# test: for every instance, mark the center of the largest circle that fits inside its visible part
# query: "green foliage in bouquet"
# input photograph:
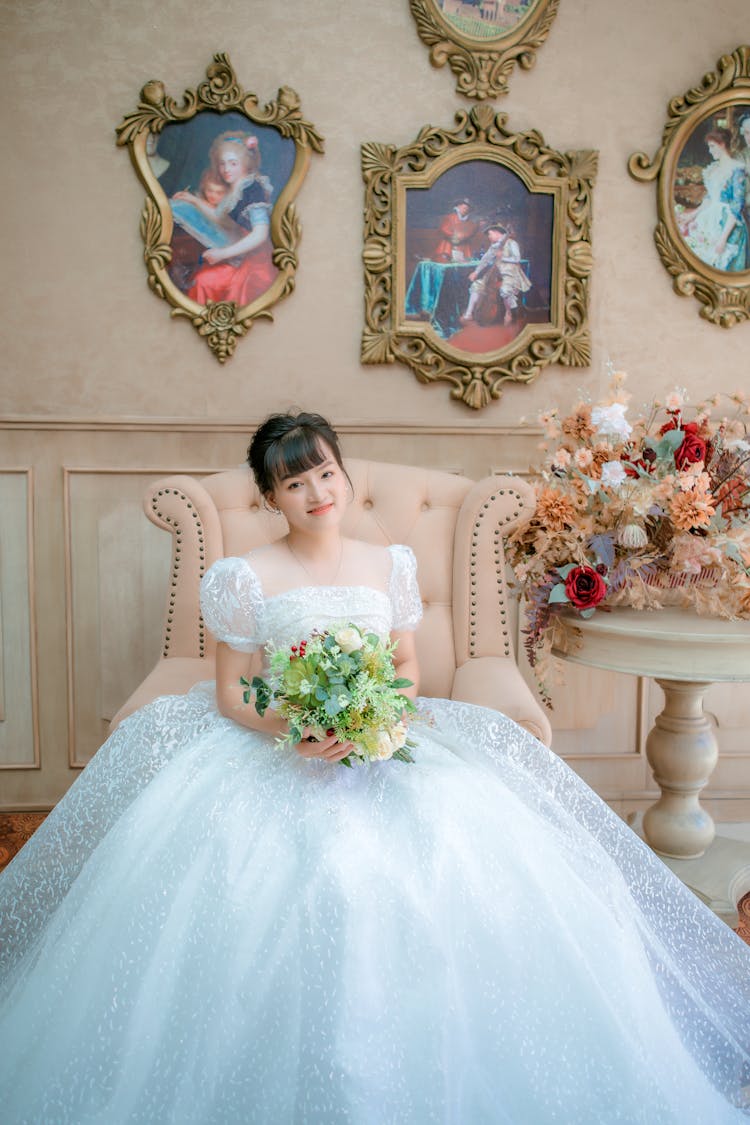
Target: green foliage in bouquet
(340, 682)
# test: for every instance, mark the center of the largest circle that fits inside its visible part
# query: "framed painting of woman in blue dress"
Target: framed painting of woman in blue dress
(483, 277)
(219, 226)
(703, 195)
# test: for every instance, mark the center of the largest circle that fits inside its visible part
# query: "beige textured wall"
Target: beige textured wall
(82, 334)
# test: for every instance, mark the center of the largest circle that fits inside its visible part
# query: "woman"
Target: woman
(242, 270)
(212, 929)
(716, 231)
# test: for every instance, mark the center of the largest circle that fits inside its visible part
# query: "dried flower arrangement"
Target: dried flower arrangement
(642, 513)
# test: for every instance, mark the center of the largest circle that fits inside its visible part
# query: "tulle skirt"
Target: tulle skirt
(210, 930)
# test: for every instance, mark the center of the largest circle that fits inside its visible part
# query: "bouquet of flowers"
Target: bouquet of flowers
(341, 682)
(637, 513)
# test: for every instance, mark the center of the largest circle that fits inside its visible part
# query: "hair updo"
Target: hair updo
(721, 137)
(286, 445)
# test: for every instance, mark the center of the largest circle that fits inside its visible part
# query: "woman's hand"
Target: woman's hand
(214, 255)
(328, 748)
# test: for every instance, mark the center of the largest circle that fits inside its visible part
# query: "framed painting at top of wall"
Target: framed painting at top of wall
(702, 169)
(482, 40)
(477, 255)
(219, 226)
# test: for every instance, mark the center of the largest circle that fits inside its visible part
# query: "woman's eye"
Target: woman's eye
(327, 473)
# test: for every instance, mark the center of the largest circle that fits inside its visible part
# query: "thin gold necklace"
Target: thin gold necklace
(309, 573)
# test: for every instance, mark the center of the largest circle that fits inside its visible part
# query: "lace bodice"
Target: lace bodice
(237, 612)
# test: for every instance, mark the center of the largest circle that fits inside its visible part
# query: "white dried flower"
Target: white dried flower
(613, 474)
(632, 535)
(610, 421)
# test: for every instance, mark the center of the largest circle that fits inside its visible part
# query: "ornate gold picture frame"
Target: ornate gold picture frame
(482, 40)
(702, 169)
(477, 255)
(219, 226)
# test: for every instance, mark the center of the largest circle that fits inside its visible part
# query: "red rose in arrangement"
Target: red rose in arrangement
(692, 450)
(584, 587)
(693, 447)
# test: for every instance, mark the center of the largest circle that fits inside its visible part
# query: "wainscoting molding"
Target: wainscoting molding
(97, 603)
(19, 685)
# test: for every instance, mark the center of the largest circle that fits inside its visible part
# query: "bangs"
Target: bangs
(297, 451)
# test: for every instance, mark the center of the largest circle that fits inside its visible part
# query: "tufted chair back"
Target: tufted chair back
(454, 526)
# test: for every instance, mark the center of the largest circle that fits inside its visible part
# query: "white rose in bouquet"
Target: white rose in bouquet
(398, 734)
(383, 747)
(348, 639)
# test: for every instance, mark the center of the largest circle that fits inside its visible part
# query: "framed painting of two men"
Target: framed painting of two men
(477, 255)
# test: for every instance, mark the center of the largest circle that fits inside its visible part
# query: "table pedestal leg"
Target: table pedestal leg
(682, 752)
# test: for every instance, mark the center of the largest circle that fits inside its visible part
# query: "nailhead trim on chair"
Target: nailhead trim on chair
(178, 536)
(475, 532)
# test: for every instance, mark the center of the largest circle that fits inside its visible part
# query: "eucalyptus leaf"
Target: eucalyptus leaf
(564, 571)
(558, 594)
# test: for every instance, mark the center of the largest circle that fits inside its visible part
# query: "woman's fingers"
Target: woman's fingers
(329, 748)
(337, 752)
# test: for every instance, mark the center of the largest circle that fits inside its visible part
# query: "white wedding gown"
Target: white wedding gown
(212, 930)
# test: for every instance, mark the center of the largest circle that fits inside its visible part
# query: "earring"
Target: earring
(269, 508)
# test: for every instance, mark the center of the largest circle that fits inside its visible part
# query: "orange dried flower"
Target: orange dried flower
(599, 454)
(691, 509)
(554, 511)
(578, 424)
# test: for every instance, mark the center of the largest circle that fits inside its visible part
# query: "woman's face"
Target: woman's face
(716, 150)
(232, 164)
(315, 499)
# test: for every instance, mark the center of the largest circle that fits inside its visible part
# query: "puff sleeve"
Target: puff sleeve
(232, 604)
(406, 604)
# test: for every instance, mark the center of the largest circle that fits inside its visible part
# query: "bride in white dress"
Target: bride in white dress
(213, 930)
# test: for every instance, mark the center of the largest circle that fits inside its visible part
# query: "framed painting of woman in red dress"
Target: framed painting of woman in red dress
(219, 226)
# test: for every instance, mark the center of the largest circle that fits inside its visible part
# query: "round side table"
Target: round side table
(685, 654)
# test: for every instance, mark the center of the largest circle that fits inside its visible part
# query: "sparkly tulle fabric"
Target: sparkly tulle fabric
(211, 930)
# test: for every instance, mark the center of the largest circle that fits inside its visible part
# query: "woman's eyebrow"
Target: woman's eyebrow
(320, 465)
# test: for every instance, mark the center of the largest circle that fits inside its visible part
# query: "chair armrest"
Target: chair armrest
(183, 507)
(173, 675)
(495, 681)
(493, 508)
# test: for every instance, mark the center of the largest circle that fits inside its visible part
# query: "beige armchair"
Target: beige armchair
(455, 527)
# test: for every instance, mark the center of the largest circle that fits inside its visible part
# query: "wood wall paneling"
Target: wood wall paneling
(19, 711)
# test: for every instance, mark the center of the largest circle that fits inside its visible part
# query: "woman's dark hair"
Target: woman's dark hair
(288, 444)
(720, 137)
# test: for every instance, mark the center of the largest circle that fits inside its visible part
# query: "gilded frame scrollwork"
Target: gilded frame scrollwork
(720, 100)
(561, 183)
(225, 316)
(482, 65)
